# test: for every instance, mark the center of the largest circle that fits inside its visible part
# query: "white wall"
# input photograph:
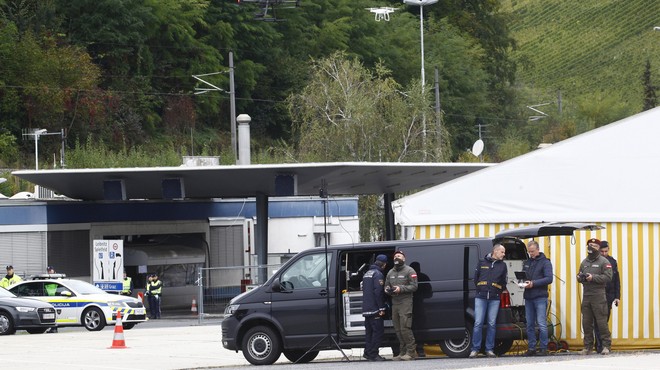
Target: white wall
(292, 235)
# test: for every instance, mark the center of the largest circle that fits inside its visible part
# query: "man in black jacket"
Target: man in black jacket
(373, 308)
(490, 279)
(539, 275)
(612, 289)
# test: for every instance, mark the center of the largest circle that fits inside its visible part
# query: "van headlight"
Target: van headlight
(231, 309)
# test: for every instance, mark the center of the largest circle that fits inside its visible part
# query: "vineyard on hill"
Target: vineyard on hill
(591, 50)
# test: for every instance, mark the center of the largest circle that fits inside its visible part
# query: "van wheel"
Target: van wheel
(458, 347)
(261, 346)
(93, 319)
(503, 346)
(299, 356)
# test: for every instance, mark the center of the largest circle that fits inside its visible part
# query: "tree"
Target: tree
(40, 80)
(348, 112)
(650, 97)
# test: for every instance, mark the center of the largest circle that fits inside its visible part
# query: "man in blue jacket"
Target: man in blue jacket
(490, 279)
(539, 276)
(373, 308)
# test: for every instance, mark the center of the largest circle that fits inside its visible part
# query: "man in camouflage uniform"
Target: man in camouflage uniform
(401, 283)
(595, 272)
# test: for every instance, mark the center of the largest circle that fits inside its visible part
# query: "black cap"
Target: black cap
(50, 268)
(604, 244)
(10, 267)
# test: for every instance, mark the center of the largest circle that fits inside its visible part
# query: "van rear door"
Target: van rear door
(547, 229)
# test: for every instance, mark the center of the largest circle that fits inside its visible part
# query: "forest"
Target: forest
(323, 80)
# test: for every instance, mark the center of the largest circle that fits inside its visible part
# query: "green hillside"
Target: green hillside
(590, 49)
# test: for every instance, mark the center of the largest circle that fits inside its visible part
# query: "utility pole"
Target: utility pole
(232, 98)
(559, 101)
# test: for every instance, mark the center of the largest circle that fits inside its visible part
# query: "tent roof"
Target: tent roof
(609, 174)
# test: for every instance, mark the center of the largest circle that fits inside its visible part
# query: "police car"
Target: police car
(79, 303)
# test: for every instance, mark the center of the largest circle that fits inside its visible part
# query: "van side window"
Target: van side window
(307, 272)
(442, 262)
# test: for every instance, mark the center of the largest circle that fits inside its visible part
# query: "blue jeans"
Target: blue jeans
(485, 308)
(535, 313)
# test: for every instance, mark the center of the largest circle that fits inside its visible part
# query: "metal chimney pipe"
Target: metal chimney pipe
(243, 139)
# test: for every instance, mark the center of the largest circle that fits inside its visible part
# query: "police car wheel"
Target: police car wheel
(6, 324)
(128, 326)
(458, 347)
(261, 346)
(299, 356)
(93, 319)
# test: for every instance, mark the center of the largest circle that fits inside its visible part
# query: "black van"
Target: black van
(298, 309)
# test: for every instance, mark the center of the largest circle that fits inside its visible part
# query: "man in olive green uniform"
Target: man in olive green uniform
(401, 283)
(595, 272)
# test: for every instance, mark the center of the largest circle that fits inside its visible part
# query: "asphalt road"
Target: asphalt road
(181, 343)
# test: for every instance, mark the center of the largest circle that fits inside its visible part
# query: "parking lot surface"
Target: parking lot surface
(184, 344)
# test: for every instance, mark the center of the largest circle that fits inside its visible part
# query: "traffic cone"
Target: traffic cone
(193, 308)
(118, 339)
(140, 296)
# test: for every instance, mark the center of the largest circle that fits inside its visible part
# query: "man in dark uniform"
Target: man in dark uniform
(595, 272)
(373, 308)
(401, 283)
(612, 289)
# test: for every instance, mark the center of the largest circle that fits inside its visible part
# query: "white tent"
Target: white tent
(608, 174)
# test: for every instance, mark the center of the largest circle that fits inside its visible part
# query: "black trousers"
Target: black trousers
(154, 306)
(375, 327)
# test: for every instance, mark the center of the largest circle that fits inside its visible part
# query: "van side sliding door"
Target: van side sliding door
(439, 303)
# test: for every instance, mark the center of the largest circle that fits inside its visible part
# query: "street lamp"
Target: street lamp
(421, 4)
(41, 132)
(36, 133)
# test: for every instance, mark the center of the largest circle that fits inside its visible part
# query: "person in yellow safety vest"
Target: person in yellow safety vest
(154, 289)
(127, 285)
(10, 279)
(51, 289)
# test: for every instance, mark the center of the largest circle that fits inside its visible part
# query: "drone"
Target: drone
(382, 13)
